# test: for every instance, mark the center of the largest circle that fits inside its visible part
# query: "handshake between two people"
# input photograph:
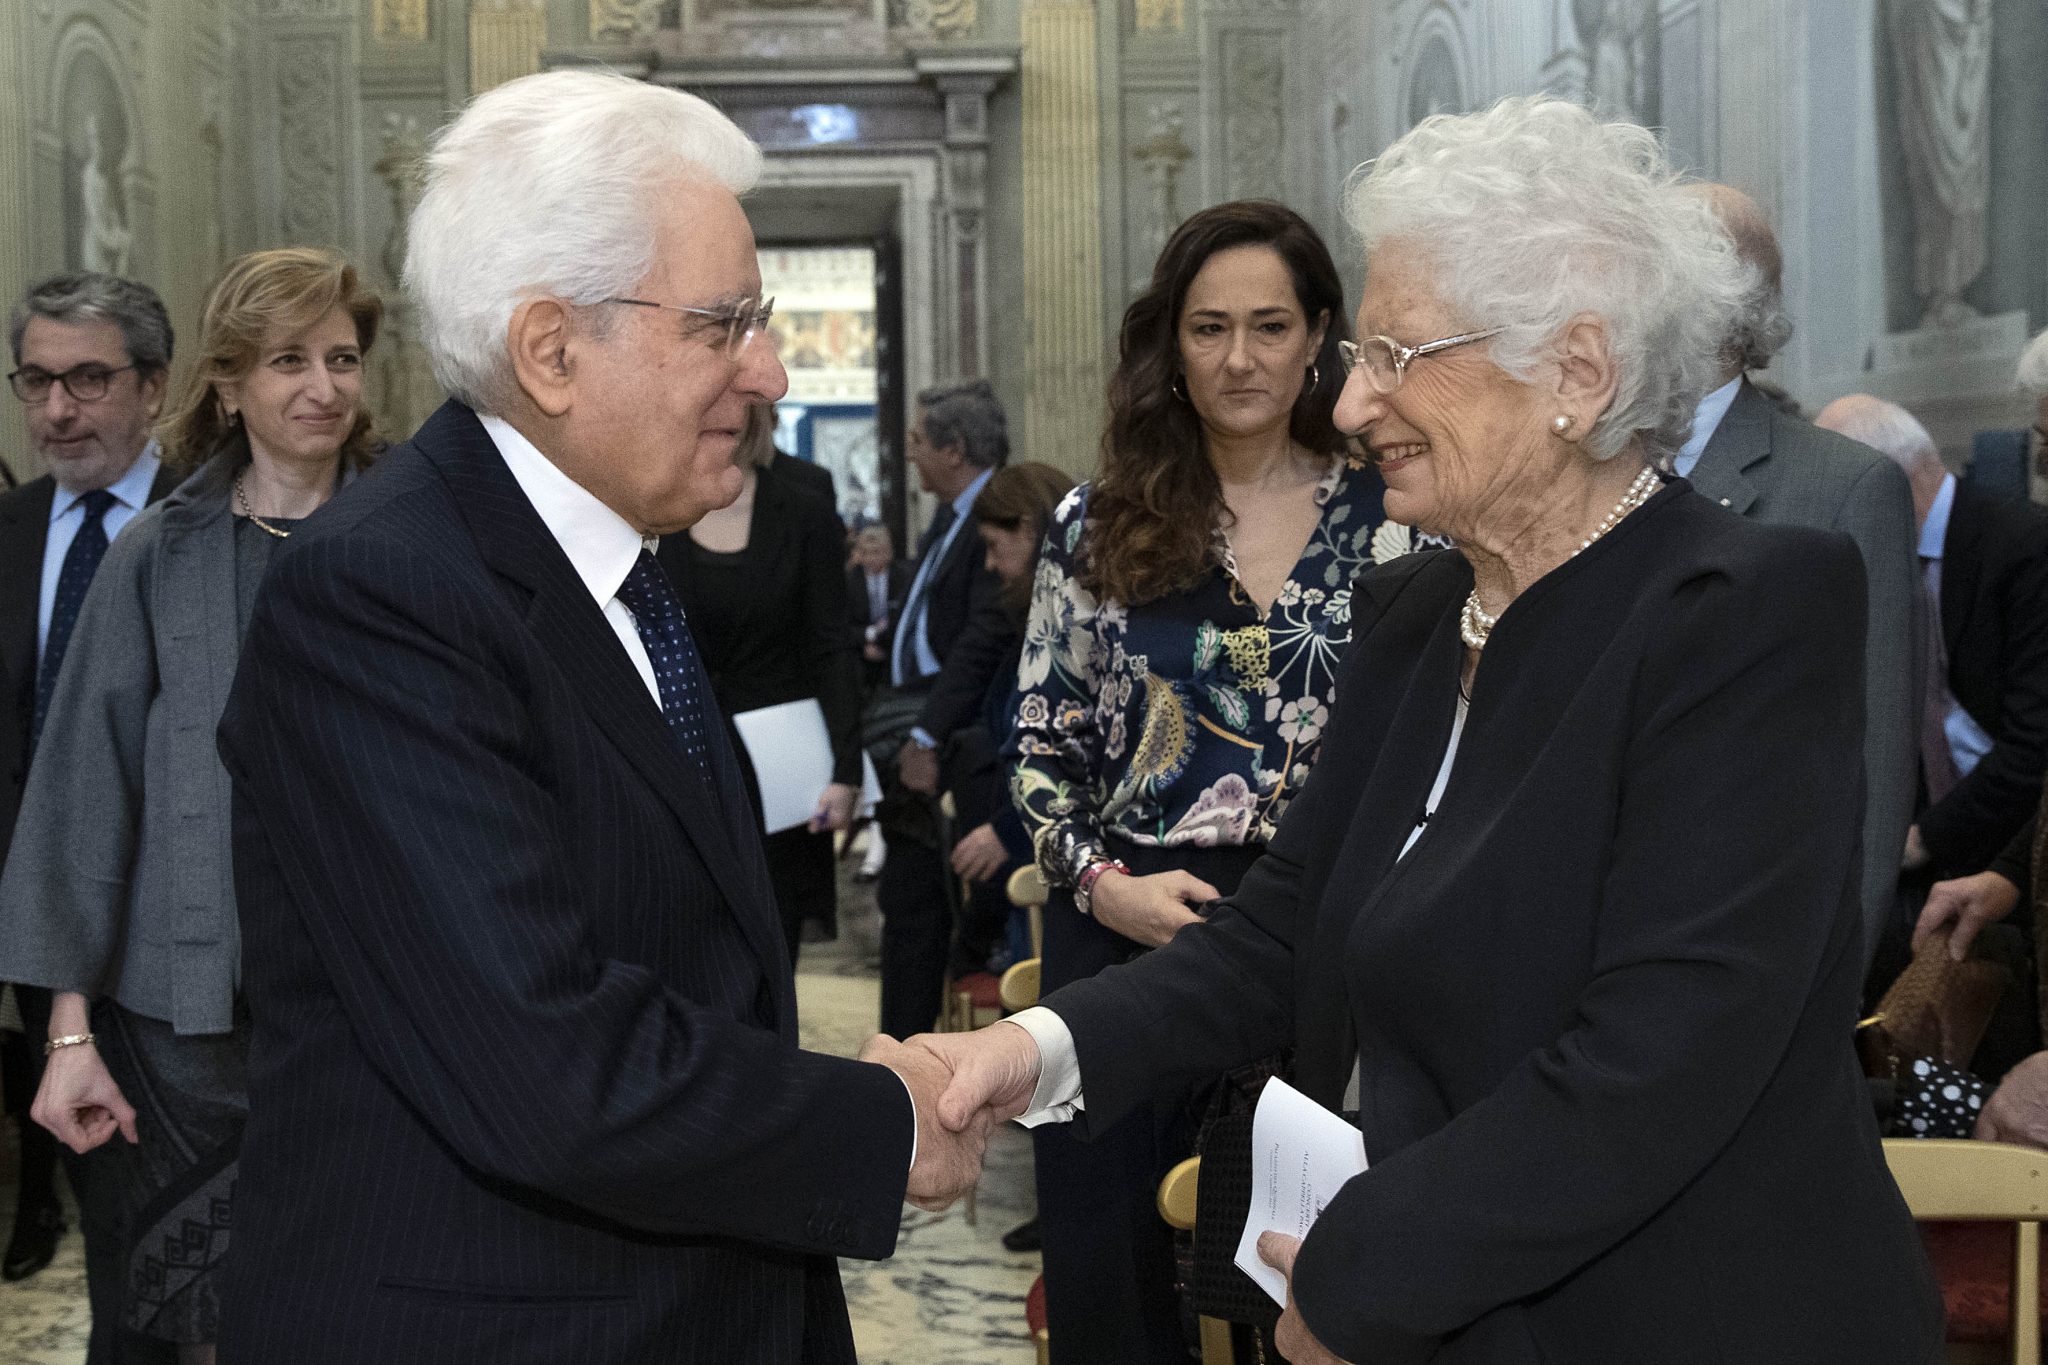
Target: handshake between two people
(962, 1085)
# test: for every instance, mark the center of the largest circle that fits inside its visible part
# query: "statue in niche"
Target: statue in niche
(104, 238)
(1619, 38)
(1162, 154)
(1941, 53)
(1434, 87)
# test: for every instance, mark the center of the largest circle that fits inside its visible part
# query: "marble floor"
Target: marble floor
(950, 1296)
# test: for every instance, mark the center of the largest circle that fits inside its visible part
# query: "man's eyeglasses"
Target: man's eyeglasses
(1386, 360)
(83, 382)
(741, 322)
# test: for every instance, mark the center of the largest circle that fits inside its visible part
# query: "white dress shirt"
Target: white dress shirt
(1706, 420)
(602, 546)
(131, 495)
(1968, 742)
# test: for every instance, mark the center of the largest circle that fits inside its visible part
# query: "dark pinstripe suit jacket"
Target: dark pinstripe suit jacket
(524, 1084)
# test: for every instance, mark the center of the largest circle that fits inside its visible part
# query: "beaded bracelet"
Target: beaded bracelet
(1084, 889)
(68, 1040)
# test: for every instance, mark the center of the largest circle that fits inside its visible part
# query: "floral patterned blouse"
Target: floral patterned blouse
(1190, 719)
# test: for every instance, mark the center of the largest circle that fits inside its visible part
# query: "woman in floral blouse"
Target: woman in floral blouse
(1188, 615)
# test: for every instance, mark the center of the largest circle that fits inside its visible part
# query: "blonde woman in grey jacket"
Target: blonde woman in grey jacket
(118, 893)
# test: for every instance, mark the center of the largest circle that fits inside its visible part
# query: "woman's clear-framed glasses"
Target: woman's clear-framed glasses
(742, 321)
(1386, 361)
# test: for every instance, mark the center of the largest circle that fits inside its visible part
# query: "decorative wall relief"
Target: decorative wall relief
(402, 378)
(300, 9)
(98, 227)
(1619, 39)
(309, 91)
(1941, 52)
(623, 21)
(938, 18)
(399, 21)
(1160, 158)
(1157, 16)
(1254, 80)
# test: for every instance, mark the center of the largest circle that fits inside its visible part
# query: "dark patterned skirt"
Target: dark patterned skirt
(177, 1183)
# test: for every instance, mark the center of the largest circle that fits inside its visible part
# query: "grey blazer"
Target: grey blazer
(120, 881)
(1766, 464)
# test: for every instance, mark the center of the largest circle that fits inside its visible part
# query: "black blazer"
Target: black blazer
(966, 609)
(1994, 621)
(24, 531)
(1603, 1009)
(782, 637)
(812, 478)
(523, 1075)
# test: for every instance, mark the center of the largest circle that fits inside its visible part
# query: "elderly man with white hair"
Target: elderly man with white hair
(524, 1081)
(1984, 671)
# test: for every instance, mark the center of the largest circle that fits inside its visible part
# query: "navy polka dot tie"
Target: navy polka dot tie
(81, 562)
(678, 671)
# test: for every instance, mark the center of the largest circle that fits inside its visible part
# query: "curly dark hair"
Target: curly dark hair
(1154, 506)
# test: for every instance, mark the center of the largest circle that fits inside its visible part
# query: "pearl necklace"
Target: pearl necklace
(1475, 625)
(242, 502)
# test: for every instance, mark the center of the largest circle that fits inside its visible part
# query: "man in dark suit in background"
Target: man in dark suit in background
(523, 1076)
(876, 584)
(91, 355)
(1761, 462)
(1984, 727)
(948, 638)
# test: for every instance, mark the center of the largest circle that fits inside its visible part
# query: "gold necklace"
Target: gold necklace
(242, 503)
(1475, 625)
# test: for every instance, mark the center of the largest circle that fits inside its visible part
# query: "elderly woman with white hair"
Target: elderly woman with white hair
(1569, 905)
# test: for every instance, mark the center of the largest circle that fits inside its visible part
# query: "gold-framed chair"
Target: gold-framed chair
(1947, 1180)
(1177, 1207)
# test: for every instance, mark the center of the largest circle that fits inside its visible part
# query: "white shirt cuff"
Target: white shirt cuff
(1058, 1095)
(912, 1097)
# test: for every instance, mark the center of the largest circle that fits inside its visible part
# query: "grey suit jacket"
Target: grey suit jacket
(1766, 464)
(120, 881)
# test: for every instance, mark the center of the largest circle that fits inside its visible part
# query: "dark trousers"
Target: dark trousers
(1109, 1271)
(21, 1066)
(800, 869)
(917, 935)
(94, 1183)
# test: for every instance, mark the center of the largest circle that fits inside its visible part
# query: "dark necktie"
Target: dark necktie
(81, 562)
(678, 671)
(1937, 759)
(903, 660)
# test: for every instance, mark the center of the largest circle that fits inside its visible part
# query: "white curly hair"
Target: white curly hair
(1534, 212)
(546, 186)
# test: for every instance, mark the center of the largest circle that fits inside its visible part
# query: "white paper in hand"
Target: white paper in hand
(1301, 1156)
(792, 757)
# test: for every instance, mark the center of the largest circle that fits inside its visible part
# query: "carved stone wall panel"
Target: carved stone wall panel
(1160, 127)
(1159, 16)
(311, 86)
(934, 18)
(1253, 123)
(399, 21)
(16, 178)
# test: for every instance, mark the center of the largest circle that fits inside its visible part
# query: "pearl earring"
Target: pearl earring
(1560, 424)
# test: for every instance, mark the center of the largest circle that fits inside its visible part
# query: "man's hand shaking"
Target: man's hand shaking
(961, 1085)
